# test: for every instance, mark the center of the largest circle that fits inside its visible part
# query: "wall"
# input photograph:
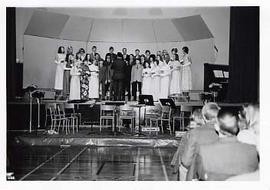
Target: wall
(39, 53)
(218, 22)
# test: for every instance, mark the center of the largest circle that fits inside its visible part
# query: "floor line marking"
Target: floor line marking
(42, 164)
(100, 168)
(163, 166)
(137, 165)
(68, 164)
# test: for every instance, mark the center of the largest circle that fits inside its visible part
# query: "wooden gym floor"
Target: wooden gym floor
(91, 163)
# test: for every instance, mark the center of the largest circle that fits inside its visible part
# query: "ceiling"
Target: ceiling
(88, 24)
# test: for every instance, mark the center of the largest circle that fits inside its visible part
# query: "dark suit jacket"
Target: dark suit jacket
(225, 158)
(126, 59)
(118, 68)
(202, 135)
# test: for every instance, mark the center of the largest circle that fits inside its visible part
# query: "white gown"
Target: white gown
(93, 81)
(155, 82)
(146, 82)
(59, 74)
(186, 81)
(165, 73)
(75, 84)
(175, 77)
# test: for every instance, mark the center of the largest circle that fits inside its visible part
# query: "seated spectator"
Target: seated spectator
(196, 121)
(251, 116)
(226, 157)
(248, 114)
(200, 135)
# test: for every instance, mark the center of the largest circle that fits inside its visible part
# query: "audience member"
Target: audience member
(198, 136)
(226, 157)
(195, 121)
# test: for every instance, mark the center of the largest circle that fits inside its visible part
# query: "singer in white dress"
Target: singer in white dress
(94, 81)
(146, 81)
(165, 73)
(75, 93)
(175, 75)
(186, 81)
(60, 66)
(155, 74)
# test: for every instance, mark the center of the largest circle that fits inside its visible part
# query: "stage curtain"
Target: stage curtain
(11, 51)
(244, 55)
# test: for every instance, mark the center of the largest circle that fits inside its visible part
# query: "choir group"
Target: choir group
(88, 76)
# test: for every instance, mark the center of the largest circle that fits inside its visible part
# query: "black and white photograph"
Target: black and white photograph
(132, 93)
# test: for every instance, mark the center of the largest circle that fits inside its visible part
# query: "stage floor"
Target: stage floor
(93, 137)
(91, 163)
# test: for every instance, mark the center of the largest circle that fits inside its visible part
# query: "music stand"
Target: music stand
(146, 100)
(167, 102)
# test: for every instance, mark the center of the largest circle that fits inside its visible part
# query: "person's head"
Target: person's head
(252, 116)
(69, 50)
(131, 58)
(94, 49)
(210, 111)
(61, 49)
(164, 51)
(147, 53)
(69, 58)
(228, 122)
(137, 52)
(119, 55)
(174, 50)
(108, 58)
(152, 58)
(82, 52)
(159, 53)
(159, 58)
(97, 56)
(167, 57)
(196, 118)
(185, 50)
(124, 50)
(137, 61)
(111, 49)
(101, 62)
(87, 57)
(142, 57)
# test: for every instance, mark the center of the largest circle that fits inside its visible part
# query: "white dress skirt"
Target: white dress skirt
(186, 81)
(93, 81)
(175, 77)
(146, 81)
(75, 84)
(155, 82)
(59, 74)
(164, 80)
